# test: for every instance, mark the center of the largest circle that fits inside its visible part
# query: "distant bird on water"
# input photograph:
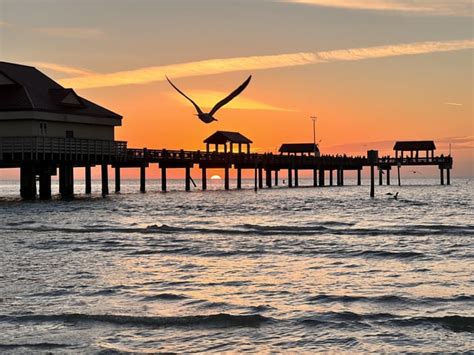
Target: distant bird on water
(209, 117)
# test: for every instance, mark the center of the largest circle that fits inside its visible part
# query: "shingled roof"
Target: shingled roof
(299, 148)
(414, 145)
(222, 137)
(24, 88)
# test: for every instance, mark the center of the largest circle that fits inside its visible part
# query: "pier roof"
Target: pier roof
(299, 148)
(25, 88)
(414, 145)
(222, 137)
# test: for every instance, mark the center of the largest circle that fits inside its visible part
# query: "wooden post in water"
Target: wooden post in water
(372, 157)
(204, 179)
(45, 182)
(359, 177)
(88, 179)
(297, 183)
(321, 177)
(226, 178)
(398, 170)
(290, 178)
(342, 176)
(117, 179)
(163, 179)
(255, 178)
(188, 178)
(260, 178)
(276, 177)
(27, 182)
(331, 182)
(338, 177)
(441, 171)
(380, 176)
(143, 179)
(388, 176)
(105, 180)
(448, 176)
(239, 178)
(315, 177)
(268, 177)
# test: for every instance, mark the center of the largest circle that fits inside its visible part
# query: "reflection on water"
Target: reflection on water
(280, 270)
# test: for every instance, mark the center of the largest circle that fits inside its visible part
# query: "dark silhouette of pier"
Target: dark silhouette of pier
(45, 157)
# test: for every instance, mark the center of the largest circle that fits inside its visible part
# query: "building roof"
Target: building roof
(24, 88)
(299, 148)
(222, 137)
(414, 145)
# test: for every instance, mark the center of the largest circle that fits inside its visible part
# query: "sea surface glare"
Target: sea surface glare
(303, 270)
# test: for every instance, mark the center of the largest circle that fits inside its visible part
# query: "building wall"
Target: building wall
(28, 128)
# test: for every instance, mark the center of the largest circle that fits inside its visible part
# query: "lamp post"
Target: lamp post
(314, 118)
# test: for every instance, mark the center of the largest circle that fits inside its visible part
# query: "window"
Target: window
(43, 129)
(69, 134)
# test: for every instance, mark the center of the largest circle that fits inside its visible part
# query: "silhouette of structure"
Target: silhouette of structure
(46, 129)
(303, 149)
(209, 117)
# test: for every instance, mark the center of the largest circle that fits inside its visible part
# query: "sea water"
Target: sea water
(303, 270)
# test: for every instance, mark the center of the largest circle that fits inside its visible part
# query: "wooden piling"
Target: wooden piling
(27, 182)
(105, 180)
(163, 179)
(290, 178)
(143, 179)
(297, 183)
(388, 177)
(399, 179)
(441, 171)
(239, 178)
(276, 177)
(255, 178)
(380, 176)
(45, 183)
(342, 176)
(260, 178)
(331, 182)
(88, 179)
(372, 181)
(188, 178)
(448, 176)
(315, 177)
(226, 178)
(204, 179)
(321, 177)
(117, 179)
(268, 178)
(359, 177)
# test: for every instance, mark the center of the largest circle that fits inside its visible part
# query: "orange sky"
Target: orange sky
(372, 71)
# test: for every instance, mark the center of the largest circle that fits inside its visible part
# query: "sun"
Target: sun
(215, 177)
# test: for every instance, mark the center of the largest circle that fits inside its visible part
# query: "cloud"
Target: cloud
(71, 32)
(452, 104)
(428, 7)
(207, 99)
(61, 68)
(219, 66)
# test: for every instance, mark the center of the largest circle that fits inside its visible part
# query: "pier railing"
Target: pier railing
(40, 147)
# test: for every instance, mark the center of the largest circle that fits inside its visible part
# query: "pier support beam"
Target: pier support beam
(88, 179)
(260, 178)
(315, 177)
(321, 177)
(163, 179)
(45, 183)
(448, 176)
(388, 177)
(239, 178)
(380, 176)
(27, 182)
(188, 178)
(399, 179)
(268, 178)
(226, 178)
(372, 181)
(66, 181)
(359, 177)
(297, 183)
(276, 177)
(331, 182)
(143, 179)
(117, 179)
(338, 177)
(105, 180)
(204, 179)
(290, 178)
(441, 172)
(255, 178)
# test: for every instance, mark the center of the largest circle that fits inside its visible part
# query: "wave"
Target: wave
(37, 346)
(213, 320)
(324, 298)
(165, 297)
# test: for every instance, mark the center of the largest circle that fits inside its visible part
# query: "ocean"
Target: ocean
(281, 270)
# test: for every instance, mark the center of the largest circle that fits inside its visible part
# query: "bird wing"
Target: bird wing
(232, 95)
(198, 109)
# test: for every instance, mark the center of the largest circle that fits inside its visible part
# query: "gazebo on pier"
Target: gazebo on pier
(414, 147)
(303, 149)
(227, 139)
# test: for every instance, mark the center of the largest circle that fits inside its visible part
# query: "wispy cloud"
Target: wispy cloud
(61, 68)
(219, 66)
(72, 32)
(430, 7)
(452, 104)
(208, 98)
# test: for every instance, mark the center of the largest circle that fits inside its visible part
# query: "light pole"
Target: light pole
(314, 118)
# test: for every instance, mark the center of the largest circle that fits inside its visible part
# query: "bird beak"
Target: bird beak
(214, 119)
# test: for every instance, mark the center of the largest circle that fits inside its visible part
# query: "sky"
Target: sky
(372, 71)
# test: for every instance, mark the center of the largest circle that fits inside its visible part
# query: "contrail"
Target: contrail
(228, 65)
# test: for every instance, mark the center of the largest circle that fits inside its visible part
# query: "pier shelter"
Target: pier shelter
(227, 140)
(414, 148)
(303, 149)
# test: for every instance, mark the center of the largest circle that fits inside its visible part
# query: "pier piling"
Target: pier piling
(260, 178)
(441, 172)
(105, 180)
(315, 177)
(321, 177)
(45, 183)
(359, 177)
(117, 179)
(188, 178)
(204, 179)
(88, 179)
(239, 178)
(297, 183)
(226, 178)
(331, 182)
(290, 178)
(276, 177)
(448, 176)
(27, 182)
(163, 179)
(143, 179)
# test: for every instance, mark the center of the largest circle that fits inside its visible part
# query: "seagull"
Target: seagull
(209, 117)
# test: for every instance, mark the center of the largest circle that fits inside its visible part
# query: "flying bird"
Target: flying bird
(209, 117)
